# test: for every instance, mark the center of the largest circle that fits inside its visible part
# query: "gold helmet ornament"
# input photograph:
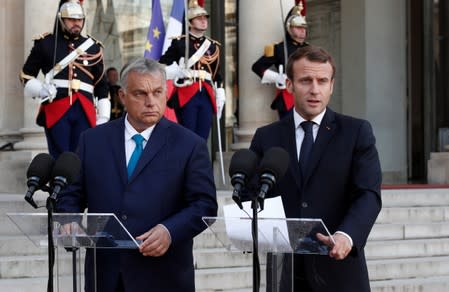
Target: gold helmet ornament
(70, 9)
(296, 17)
(195, 10)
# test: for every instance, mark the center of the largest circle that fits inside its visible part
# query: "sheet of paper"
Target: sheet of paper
(273, 232)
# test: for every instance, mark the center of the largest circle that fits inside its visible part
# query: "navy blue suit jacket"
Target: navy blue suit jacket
(341, 186)
(172, 185)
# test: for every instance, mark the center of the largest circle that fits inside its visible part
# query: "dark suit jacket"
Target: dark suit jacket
(341, 186)
(172, 185)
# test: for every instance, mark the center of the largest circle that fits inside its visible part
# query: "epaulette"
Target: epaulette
(214, 41)
(96, 41)
(178, 37)
(268, 51)
(41, 36)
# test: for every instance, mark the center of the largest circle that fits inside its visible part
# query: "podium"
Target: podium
(279, 238)
(72, 232)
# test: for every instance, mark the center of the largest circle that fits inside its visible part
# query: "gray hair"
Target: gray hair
(141, 65)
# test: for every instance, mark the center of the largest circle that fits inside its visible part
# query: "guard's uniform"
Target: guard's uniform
(194, 104)
(72, 111)
(117, 109)
(273, 57)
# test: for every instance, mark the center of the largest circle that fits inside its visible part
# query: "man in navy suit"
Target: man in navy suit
(339, 181)
(161, 202)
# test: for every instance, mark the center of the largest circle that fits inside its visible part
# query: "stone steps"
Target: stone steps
(408, 248)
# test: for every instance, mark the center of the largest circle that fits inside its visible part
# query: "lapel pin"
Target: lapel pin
(328, 128)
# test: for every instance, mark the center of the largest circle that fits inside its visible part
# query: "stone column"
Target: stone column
(11, 100)
(38, 19)
(374, 75)
(260, 23)
(23, 20)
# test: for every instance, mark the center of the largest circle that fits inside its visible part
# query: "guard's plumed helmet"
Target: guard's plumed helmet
(296, 17)
(70, 9)
(195, 10)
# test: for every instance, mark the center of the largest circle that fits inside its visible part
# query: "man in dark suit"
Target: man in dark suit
(161, 201)
(338, 180)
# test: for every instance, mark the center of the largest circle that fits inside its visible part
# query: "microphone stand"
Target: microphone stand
(50, 205)
(255, 232)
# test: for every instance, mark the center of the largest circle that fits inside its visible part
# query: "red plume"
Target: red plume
(201, 3)
(303, 12)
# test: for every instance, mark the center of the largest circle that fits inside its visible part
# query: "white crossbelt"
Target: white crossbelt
(199, 53)
(61, 83)
(69, 58)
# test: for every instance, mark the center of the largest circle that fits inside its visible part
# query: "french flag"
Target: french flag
(175, 23)
(174, 28)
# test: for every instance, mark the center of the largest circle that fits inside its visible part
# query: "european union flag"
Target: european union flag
(156, 33)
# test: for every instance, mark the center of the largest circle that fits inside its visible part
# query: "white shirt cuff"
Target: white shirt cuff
(347, 236)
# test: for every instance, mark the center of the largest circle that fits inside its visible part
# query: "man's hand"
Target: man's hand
(72, 228)
(338, 250)
(156, 241)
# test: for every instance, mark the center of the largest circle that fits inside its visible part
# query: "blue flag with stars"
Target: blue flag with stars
(156, 33)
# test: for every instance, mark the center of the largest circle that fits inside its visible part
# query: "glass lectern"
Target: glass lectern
(280, 238)
(72, 232)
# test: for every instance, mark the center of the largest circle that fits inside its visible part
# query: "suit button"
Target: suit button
(304, 205)
(124, 217)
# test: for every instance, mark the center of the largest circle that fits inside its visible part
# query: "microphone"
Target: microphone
(38, 174)
(272, 167)
(242, 167)
(65, 171)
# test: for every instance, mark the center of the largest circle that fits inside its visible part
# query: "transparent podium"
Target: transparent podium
(279, 238)
(73, 232)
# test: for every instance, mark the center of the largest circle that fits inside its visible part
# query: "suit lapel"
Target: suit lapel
(289, 141)
(325, 133)
(118, 148)
(157, 140)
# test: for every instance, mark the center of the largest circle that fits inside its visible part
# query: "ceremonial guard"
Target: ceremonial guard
(271, 66)
(112, 77)
(193, 63)
(74, 80)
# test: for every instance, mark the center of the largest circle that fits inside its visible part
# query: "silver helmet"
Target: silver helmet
(296, 19)
(70, 9)
(195, 10)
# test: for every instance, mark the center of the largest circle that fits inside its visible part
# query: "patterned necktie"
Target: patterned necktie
(306, 146)
(136, 154)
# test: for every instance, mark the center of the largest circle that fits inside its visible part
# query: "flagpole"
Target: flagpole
(186, 23)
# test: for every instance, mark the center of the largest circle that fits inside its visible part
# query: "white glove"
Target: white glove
(220, 99)
(103, 111)
(185, 72)
(269, 76)
(36, 88)
(48, 92)
(173, 71)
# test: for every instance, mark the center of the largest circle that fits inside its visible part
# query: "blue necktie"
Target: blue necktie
(136, 154)
(306, 146)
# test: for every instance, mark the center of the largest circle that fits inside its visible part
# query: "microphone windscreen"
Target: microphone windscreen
(41, 167)
(68, 166)
(243, 161)
(275, 161)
